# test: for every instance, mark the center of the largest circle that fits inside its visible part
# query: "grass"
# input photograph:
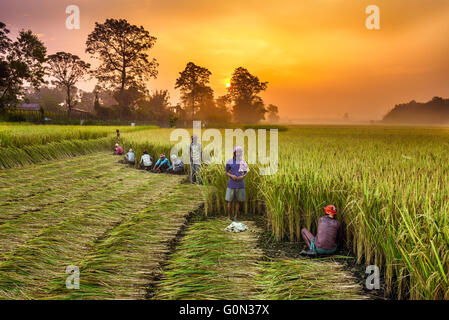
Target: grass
(390, 185)
(24, 144)
(65, 219)
(211, 263)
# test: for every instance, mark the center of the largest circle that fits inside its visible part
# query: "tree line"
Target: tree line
(123, 67)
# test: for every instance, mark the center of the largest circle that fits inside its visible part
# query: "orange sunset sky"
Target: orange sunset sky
(317, 55)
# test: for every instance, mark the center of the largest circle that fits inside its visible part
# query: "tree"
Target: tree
(273, 113)
(193, 82)
(122, 49)
(67, 69)
(156, 107)
(243, 90)
(21, 62)
(49, 98)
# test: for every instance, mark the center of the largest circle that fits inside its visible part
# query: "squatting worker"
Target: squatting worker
(329, 234)
(162, 165)
(146, 162)
(236, 170)
(130, 157)
(119, 150)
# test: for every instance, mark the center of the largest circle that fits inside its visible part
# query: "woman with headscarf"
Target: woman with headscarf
(177, 165)
(236, 170)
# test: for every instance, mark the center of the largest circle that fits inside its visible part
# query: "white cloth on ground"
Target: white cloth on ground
(236, 227)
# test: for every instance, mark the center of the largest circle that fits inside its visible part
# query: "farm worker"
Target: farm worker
(236, 170)
(178, 165)
(130, 157)
(162, 164)
(146, 161)
(118, 136)
(195, 159)
(329, 234)
(118, 150)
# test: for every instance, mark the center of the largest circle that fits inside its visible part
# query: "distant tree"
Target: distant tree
(21, 62)
(172, 120)
(243, 90)
(67, 69)
(193, 82)
(155, 108)
(273, 113)
(122, 49)
(215, 111)
(48, 97)
(87, 101)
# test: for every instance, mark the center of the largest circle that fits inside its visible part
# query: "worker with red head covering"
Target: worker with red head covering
(329, 234)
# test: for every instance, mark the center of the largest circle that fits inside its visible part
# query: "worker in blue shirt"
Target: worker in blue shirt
(162, 165)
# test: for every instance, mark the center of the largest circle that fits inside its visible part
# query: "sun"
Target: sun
(228, 85)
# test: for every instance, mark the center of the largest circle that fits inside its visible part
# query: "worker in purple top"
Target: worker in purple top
(236, 170)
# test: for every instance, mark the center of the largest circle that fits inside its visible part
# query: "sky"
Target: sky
(318, 56)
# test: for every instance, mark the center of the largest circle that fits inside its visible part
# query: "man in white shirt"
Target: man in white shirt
(146, 162)
(195, 160)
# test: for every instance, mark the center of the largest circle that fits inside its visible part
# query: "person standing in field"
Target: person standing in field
(117, 139)
(195, 159)
(329, 234)
(236, 170)
(146, 162)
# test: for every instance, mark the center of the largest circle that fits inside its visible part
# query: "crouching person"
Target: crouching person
(118, 151)
(177, 165)
(146, 162)
(162, 165)
(329, 234)
(130, 157)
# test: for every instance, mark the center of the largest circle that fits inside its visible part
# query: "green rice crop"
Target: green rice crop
(389, 184)
(22, 144)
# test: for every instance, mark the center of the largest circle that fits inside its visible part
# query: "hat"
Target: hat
(330, 210)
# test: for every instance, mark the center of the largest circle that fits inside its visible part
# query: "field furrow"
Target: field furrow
(28, 174)
(125, 263)
(61, 182)
(35, 263)
(27, 226)
(211, 263)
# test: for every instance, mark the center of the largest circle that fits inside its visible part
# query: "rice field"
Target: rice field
(211, 264)
(389, 184)
(110, 220)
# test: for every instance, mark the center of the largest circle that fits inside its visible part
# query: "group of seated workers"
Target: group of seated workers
(147, 163)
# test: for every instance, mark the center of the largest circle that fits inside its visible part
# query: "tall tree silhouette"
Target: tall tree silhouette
(122, 49)
(244, 90)
(21, 61)
(193, 82)
(67, 69)
(273, 113)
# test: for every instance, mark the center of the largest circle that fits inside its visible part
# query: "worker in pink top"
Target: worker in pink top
(118, 150)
